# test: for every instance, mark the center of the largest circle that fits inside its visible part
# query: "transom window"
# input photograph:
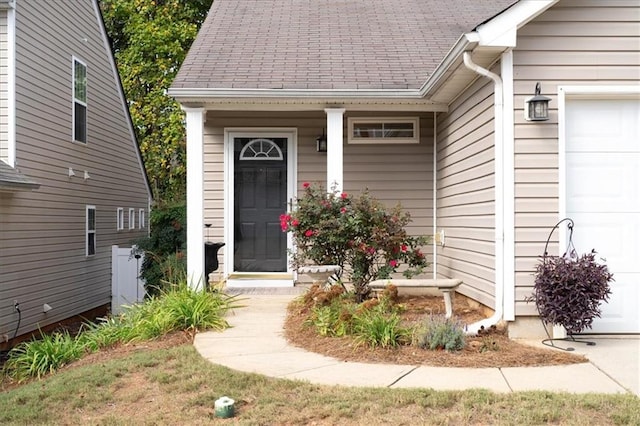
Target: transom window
(261, 149)
(363, 130)
(79, 101)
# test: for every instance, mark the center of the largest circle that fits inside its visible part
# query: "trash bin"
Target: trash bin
(210, 259)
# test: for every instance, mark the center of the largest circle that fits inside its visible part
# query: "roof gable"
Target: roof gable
(330, 45)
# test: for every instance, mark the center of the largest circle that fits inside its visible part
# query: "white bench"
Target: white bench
(446, 286)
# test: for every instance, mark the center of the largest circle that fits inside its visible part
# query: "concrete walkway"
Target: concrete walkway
(255, 343)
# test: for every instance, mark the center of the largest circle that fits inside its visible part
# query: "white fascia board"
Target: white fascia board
(502, 30)
(292, 93)
(465, 43)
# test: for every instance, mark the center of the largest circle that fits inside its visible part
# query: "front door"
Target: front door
(260, 197)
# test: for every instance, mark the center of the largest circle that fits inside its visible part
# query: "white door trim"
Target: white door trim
(291, 134)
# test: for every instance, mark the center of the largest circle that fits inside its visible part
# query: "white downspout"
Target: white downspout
(435, 197)
(499, 192)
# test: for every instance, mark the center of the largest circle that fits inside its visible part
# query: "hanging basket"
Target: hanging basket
(569, 289)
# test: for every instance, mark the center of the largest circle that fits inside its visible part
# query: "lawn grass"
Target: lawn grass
(177, 386)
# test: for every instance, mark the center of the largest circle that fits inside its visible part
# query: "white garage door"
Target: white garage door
(603, 198)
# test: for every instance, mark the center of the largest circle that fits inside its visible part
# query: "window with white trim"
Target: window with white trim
(141, 219)
(378, 130)
(132, 218)
(120, 219)
(90, 241)
(79, 101)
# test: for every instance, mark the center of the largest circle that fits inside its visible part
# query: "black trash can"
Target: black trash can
(211, 259)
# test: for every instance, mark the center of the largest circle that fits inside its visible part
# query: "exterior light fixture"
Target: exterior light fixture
(536, 108)
(321, 143)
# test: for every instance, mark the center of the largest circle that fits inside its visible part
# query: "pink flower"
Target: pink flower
(343, 210)
(305, 185)
(308, 233)
(371, 250)
(295, 222)
(403, 248)
(344, 195)
(393, 263)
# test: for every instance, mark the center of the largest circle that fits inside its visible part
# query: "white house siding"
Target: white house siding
(577, 42)
(465, 186)
(394, 174)
(42, 243)
(4, 96)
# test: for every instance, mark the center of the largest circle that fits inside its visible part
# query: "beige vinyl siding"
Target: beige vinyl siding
(4, 87)
(392, 173)
(577, 42)
(42, 243)
(465, 186)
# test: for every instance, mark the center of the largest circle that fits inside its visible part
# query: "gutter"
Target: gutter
(499, 191)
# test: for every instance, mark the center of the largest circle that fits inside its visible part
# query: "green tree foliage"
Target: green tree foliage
(150, 39)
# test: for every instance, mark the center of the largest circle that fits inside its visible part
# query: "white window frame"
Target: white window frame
(354, 139)
(141, 219)
(90, 229)
(78, 101)
(132, 218)
(120, 219)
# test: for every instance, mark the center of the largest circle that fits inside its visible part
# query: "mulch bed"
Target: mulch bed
(493, 349)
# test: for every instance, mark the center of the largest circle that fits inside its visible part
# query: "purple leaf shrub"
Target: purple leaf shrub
(569, 291)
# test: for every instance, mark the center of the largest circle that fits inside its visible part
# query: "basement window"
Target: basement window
(383, 130)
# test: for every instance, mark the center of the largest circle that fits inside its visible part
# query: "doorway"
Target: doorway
(262, 183)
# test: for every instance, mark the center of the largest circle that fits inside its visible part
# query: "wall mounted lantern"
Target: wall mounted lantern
(537, 107)
(321, 143)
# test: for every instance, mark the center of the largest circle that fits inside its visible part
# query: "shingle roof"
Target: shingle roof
(328, 44)
(12, 179)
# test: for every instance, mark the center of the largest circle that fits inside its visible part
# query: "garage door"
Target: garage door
(603, 198)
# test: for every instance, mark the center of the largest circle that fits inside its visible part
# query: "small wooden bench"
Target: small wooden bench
(446, 286)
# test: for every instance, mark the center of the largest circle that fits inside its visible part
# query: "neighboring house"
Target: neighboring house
(423, 103)
(72, 183)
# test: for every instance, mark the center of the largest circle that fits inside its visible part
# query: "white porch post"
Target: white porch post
(195, 194)
(334, 148)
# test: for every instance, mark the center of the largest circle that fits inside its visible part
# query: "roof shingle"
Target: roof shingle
(328, 44)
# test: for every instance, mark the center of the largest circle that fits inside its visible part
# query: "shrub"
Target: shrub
(359, 232)
(164, 249)
(378, 327)
(568, 291)
(439, 332)
(178, 308)
(43, 356)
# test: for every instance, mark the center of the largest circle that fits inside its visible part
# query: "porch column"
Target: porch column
(195, 194)
(334, 148)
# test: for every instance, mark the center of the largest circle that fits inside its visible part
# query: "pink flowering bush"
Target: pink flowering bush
(359, 234)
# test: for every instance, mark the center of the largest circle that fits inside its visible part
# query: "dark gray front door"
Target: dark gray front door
(260, 197)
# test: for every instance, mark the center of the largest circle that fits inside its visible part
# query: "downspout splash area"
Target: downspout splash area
(499, 191)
